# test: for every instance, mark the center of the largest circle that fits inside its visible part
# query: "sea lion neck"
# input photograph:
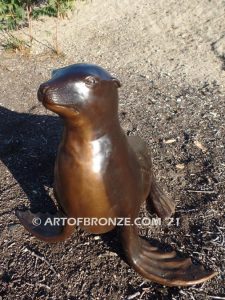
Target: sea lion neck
(81, 132)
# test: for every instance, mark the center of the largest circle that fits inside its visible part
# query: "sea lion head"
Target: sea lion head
(81, 91)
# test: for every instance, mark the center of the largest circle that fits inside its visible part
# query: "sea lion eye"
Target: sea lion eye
(91, 81)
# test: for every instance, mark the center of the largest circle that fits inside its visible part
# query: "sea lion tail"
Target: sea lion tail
(45, 226)
(163, 205)
(166, 268)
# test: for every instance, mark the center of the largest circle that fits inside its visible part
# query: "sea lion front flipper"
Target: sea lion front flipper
(45, 226)
(163, 205)
(166, 268)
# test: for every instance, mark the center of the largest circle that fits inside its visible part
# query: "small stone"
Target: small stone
(133, 296)
(170, 141)
(180, 166)
(110, 253)
(127, 125)
(200, 146)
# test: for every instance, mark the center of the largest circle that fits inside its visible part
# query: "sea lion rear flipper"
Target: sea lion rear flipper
(45, 226)
(163, 205)
(166, 268)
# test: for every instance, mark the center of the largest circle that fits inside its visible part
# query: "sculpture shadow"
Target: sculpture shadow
(28, 146)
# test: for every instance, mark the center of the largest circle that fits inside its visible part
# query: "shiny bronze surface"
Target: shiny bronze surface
(102, 173)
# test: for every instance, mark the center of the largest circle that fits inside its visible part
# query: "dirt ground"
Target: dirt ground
(170, 59)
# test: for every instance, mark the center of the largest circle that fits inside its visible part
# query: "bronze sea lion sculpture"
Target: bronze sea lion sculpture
(102, 173)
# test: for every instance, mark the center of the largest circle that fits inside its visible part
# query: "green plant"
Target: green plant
(12, 14)
(16, 13)
(54, 8)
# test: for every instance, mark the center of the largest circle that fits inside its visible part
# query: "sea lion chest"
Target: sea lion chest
(79, 178)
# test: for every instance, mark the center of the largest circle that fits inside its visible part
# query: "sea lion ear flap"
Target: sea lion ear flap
(117, 82)
(54, 72)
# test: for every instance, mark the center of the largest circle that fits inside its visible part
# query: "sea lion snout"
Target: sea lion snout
(42, 91)
(52, 93)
